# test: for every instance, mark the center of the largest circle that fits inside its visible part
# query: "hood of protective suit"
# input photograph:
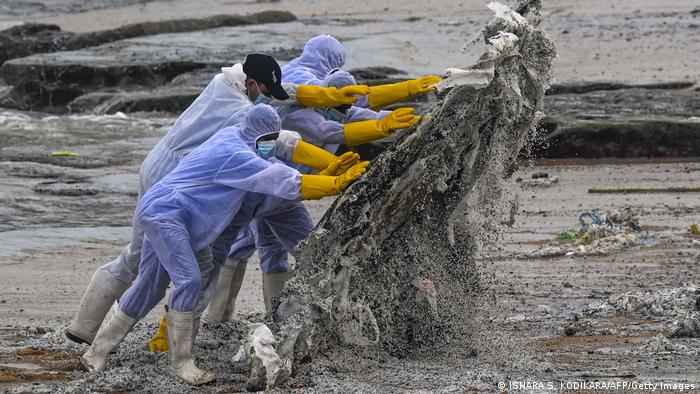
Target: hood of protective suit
(235, 76)
(322, 54)
(339, 79)
(260, 121)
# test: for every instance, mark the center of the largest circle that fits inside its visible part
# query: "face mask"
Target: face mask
(261, 99)
(266, 149)
(335, 115)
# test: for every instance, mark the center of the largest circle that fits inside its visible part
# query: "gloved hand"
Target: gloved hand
(320, 97)
(348, 94)
(341, 164)
(314, 187)
(358, 133)
(312, 156)
(422, 84)
(159, 343)
(400, 118)
(348, 177)
(382, 95)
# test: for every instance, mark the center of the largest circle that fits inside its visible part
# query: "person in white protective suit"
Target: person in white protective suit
(224, 102)
(276, 234)
(219, 185)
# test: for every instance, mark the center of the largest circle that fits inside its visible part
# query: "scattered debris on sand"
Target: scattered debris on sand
(597, 235)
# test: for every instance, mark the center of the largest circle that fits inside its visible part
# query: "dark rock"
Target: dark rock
(174, 97)
(637, 102)
(159, 100)
(51, 86)
(28, 39)
(621, 138)
(635, 122)
(68, 188)
(175, 26)
(32, 38)
(369, 73)
(373, 76)
(48, 82)
(578, 86)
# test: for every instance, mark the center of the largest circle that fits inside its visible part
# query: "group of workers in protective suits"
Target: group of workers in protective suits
(226, 180)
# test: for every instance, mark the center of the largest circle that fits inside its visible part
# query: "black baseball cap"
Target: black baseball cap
(264, 69)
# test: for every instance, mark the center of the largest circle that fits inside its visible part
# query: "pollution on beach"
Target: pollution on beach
(304, 196)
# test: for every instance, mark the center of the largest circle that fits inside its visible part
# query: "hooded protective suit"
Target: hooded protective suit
(219, 185)
(315, 126)
(280, 229)
(321, 55)
(223, 103)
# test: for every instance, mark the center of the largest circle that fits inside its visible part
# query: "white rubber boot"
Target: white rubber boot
(181, 337)
(223, 302)
(99, 296)
(197, 324)
(108, 337)
(272, 287)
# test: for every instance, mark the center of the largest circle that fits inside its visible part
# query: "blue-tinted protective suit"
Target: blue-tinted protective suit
(223, 103)
(321, 55)
(219, 185)
(278, 231)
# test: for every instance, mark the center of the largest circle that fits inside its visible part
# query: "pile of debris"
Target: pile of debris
(597, 235)
(679, 307)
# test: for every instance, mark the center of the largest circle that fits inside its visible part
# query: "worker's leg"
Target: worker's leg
(136, 302)
(223, 290)
(277, 234)
(172, 246)
(106, 285)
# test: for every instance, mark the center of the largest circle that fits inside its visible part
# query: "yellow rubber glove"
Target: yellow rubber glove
(382, 95)
(341, 164)
(358, 133)
(312, 156)
(320, 97)
(314, 187)
(159, 343)
(423, 84)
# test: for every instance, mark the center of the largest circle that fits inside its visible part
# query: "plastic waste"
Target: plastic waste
(567, 235)
(265, 365)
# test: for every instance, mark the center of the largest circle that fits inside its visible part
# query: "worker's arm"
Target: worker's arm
(314, 187)
(321, 97)
(382, 95)
(289, 146)
(358, 133)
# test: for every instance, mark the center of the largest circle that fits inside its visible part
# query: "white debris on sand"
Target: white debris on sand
(677, 308)
(264, 363)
